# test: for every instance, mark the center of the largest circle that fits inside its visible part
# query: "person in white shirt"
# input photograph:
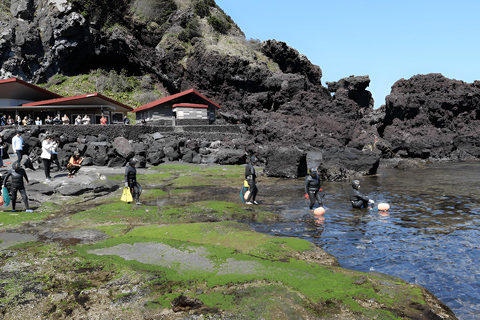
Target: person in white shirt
(86, 119)
(48, 146)
(38, 122)
(17, 145)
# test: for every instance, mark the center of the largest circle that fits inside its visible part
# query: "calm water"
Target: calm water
(430, 236)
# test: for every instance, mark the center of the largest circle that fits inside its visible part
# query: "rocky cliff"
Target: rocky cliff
(269, 87)
(432, 117)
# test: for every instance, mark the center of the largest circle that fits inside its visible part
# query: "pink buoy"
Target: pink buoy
(383, 207)
(319, 211)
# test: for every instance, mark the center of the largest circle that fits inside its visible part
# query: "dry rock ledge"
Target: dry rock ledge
(56, 282)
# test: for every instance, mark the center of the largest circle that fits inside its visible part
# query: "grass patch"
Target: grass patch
(227, 243)
(15, 219)
(119, 212)
(198, 211)
(115, 230)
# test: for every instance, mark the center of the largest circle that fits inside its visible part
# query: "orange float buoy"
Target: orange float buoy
(319, 211)
(383, 207)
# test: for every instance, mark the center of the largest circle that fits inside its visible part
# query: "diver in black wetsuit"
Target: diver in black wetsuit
(357, 199)
(131, 180)
(312, 188)
(250, 176)
(17, 174)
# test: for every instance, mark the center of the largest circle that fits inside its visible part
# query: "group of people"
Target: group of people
(313, 189)
(49, 155)
(28, 120)
(314, 192)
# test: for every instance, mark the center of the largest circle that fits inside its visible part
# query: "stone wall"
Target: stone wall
(114, 145)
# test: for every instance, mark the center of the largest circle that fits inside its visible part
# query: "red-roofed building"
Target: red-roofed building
(187, 107)
(18, 97)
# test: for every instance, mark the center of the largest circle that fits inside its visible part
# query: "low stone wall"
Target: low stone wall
(114, 145)
(132, 132)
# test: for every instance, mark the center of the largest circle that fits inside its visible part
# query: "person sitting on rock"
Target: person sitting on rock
(131, 180)
(17, 174)
(312, 188)
(74, 164)
(251, 176)
(357, 199)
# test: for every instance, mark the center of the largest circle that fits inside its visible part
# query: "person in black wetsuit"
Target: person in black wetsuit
(17, 174)
(357, 199)
(131, 180)
(312, 188)
(251, 176)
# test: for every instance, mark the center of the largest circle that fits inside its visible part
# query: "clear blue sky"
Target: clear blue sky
(385, 39)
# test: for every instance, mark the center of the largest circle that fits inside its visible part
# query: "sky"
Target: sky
(387, 40)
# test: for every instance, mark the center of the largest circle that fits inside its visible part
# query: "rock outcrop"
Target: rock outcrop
(433, 117)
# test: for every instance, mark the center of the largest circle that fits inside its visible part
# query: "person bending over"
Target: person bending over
(312, 188)
(17, 174)
(357, 199)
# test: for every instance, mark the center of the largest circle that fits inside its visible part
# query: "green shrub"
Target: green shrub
(146, 97)
(154, 10)
(219, 25)
(105, 12)
(202, 8)
(56, 80)
(5, 5)
(113, 81)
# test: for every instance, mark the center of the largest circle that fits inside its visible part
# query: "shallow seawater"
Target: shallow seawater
(430, 236)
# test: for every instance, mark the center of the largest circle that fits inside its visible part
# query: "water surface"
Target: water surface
(430, 236)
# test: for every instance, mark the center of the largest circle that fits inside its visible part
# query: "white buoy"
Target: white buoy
(319, 211)
(383, 207)
(246, 194)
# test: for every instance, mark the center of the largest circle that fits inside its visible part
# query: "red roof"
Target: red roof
(189, 105)
(80, 98)
(172, 97)
(31, 86)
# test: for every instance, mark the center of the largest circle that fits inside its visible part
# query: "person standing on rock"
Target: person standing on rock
(312, 188)
(18, 144)
(3, 148)
(357, 199)
(131, 180)
(251, 176)
(18, 174)
(48, 146)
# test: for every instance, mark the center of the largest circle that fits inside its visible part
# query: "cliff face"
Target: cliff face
(432, 117)
(271, 88)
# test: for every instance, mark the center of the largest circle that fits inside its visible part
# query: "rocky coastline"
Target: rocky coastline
(177, 256)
